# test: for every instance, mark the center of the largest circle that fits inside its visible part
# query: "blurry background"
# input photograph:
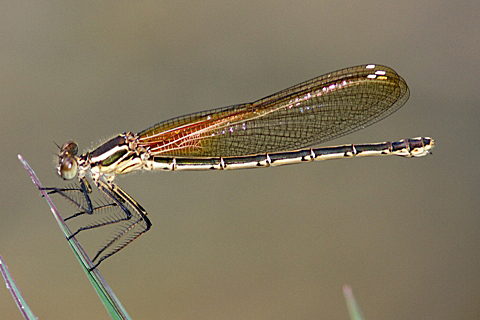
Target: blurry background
(257, 244)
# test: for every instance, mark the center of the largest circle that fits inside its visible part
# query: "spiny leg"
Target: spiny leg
(84, 189)
(122, 245)
(116, 198)
(105, 188)
(87, 207)
(128, 234)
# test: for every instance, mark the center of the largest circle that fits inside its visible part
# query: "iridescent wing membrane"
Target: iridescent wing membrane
(309, 113)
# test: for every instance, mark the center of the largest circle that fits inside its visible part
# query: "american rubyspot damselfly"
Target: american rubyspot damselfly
(249, 135)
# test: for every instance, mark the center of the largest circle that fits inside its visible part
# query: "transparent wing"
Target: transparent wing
(309, 113)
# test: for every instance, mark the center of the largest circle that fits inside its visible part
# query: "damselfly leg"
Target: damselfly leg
(114, 206)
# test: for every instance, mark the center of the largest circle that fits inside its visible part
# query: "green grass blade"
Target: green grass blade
(352, 306)
(105, 293)
(15, 291)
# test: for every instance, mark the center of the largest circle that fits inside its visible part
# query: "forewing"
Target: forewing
(309, 113)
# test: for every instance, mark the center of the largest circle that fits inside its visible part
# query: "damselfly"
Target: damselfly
(250, 135)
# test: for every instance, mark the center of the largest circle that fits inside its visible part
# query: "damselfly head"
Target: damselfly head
(67, 167)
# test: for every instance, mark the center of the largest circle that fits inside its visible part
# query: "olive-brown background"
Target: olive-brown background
(257, 244)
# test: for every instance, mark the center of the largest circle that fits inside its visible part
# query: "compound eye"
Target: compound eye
(67, 168)
(69, 148)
